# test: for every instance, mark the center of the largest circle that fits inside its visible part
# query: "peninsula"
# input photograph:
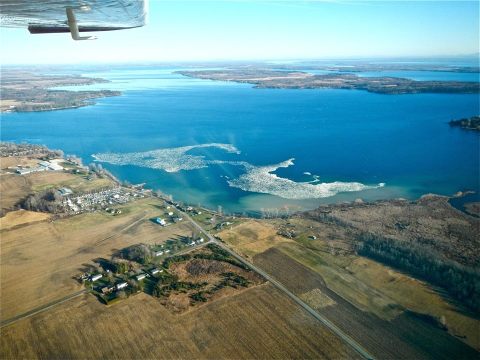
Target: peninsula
(274, 79)
(23, 91)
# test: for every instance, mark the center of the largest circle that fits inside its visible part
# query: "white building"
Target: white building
(160, 221)
(122, 285)
(54, 167)
(65, 191)
(141, 277)
(95, 277)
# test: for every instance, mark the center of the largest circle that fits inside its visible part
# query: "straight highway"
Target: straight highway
(347, 339)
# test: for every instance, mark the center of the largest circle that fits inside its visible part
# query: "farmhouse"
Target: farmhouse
(122, 285)
(107, 290)
(141, 277)
(158, 253)
(24, 171)
(95, 277)
(160, 221)
(155, 271)
(65, 191)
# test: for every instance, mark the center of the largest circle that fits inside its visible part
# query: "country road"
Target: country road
(347, 339)
(42, 308)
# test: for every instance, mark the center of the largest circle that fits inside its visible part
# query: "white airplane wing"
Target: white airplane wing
(74, 16)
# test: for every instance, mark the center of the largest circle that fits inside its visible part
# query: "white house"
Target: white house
(154, 271)
(122, 285)
(141, 277)
(158, 253)
(160, 221)
(95, 277)
(54, 167)
(65, 191)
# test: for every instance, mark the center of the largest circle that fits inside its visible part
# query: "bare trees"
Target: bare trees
(462, 282)
(47, 201)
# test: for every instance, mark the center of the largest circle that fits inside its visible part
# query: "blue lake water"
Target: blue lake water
(354, 137)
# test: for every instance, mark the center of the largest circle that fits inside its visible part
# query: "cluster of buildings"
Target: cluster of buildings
(171, 215)
(197, 242)
(120, 285)
(50, 165)
(103, 199)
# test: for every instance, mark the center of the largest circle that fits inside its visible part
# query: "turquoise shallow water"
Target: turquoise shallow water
(343, 136)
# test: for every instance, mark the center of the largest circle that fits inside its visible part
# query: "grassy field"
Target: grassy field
(21, 217)
(257, 323)
(371, 287)
(38, 260)
(406, 337)
(12, 189)
(252, 237)
(78, 183)
(13, 161)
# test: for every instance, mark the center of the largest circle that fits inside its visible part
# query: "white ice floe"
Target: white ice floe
(260, 179)
(169, 159)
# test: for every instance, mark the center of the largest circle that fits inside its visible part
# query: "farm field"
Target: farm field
(405, 337)
(39, 260)
(21, 217)
(355, 292)
(12, 189)
(252, 237)
(256, 323)
(45, 180)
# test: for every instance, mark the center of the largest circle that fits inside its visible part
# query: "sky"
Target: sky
(198, 30)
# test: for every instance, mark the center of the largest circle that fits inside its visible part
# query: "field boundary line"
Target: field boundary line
(42, 308)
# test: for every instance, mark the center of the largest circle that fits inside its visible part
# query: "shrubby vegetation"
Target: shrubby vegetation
(220, 255)
(175, 259)
(46, 201)
(461, 282)
(140, 253)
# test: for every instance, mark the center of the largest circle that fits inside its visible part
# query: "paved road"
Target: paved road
(42, 308)
(347, 339)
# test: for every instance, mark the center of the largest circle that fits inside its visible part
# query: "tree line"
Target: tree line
(461, 282)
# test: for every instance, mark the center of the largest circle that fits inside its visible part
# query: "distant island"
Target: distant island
(23, 91)
(274, 79)
(472, 123)
(348, 66)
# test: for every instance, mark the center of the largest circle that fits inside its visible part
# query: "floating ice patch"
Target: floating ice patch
(261, 180)
(170, 159)
(258, 179)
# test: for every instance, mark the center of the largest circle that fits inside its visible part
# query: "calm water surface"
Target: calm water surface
(403, 141)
